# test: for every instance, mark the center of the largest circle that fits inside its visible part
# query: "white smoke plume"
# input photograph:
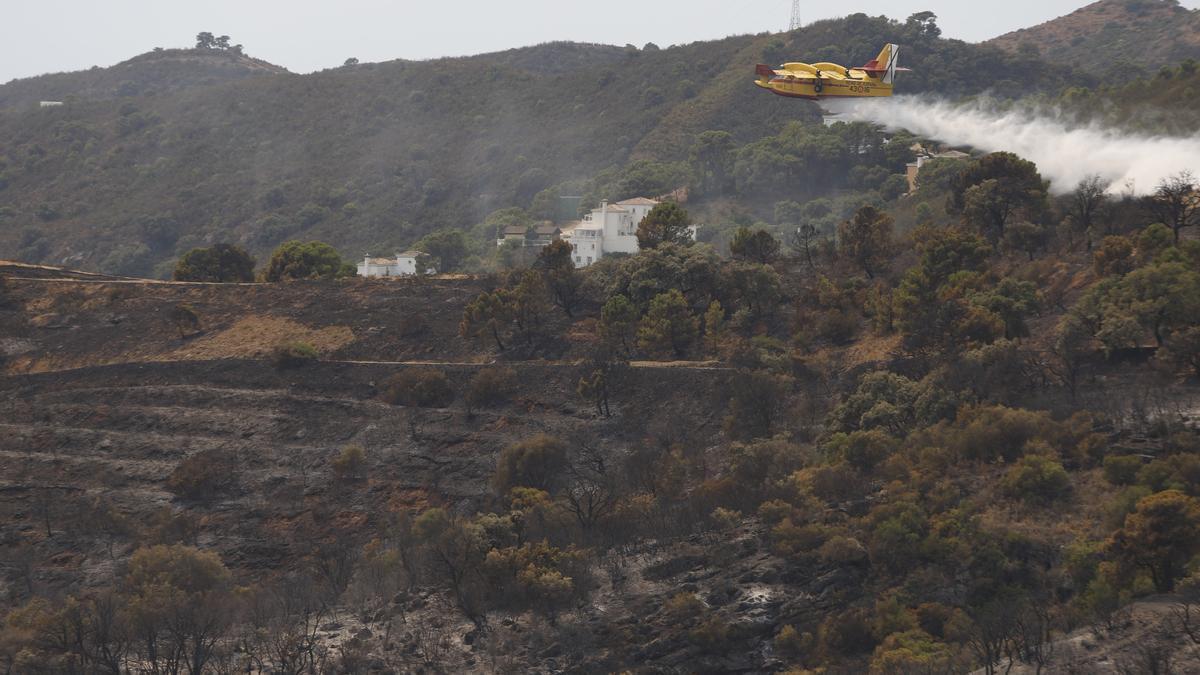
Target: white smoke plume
(1065, 153)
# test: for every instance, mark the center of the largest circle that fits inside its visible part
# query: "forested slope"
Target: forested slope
(373, 156)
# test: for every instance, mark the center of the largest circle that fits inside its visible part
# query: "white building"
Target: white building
(610, 228)
(403, 265)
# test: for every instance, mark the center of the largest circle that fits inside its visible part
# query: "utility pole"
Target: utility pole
(795, 16)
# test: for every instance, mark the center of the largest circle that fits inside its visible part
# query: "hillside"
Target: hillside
(831, 471)
(1121, 39)
(156, 73)
(373, 156)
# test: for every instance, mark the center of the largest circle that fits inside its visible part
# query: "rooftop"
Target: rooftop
(638, 201)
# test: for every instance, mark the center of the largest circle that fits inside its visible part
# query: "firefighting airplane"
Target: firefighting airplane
(819, 81)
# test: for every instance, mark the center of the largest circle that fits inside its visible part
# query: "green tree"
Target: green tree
(446, 249)
(667, 223)
(755, 245)
(1114, 257)
(692, 270)
(1012, 301)
(205, 40)
(925, 24)
(223, 263)
(756, 288)
(669, 327)
(537, 462)
(1153, 241)
(505, 314)
(419, 387)
(456, 548)
(488, 315)
(1183, 350)
(714, 325)
(179, 604)
(557, 265)
(1037, 479)
(618, 323)
(1159, 537)
(1159, 298)
(303, 260)
(866, 239)
(712, 159)
(1026, 237)
(755, 398)
(995, 188)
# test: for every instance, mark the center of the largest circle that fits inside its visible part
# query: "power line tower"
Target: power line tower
(795, 16)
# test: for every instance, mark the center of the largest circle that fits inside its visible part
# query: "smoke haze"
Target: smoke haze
(1064, 153)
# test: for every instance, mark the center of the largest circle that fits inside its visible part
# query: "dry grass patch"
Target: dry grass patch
(872, 349)
(256, 336)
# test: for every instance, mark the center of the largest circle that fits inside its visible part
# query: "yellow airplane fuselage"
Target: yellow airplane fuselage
(816, 81)
(801, 80)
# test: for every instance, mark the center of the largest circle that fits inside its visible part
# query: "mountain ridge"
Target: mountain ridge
(1111, 36)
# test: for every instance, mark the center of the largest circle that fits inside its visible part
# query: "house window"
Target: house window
(589, 260)
(578, 259)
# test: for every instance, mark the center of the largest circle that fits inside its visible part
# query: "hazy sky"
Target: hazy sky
(40, 36)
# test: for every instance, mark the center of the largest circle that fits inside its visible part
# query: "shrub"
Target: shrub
(863, 450)
(1122, 469)
(792, 643)
(713, 635)
(490, 387)
(222, 263)
(303, 260)
(846, 634)
(755, 398)
(536, 462)
(293, 354)
(836, 326)
(841, 551)
(725, 519)
(791, 539)
(683, 607)
(1037, 479)
(419, 387)
(1114, 256)
(997, 432)
(668, 329)
(913, 651)
(185, 320)
(537, 576)
(201, 476)
(349, 462)
(1160, 537)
